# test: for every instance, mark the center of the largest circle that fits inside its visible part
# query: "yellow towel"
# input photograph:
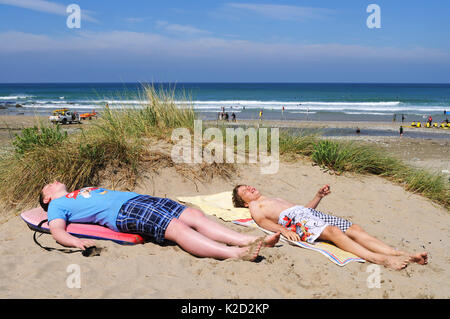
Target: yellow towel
(221, 205)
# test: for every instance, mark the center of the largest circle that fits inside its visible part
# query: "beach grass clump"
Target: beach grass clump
(76, 161)
(32, 137)
(300, 143)
(421, 181)
(156, 115)
(349, 157)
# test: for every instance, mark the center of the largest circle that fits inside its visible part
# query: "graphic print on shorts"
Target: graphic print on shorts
(301, 220)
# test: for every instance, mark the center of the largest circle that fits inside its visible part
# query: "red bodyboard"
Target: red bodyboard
(36, 215)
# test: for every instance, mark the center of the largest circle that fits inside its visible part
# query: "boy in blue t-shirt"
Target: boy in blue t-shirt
(160, 218)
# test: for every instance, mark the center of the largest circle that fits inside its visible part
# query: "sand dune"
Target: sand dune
(401, 219)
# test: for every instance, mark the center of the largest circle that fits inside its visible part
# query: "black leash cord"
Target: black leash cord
(66, 251)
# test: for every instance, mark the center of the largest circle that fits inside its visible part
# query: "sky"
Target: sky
(225, 41)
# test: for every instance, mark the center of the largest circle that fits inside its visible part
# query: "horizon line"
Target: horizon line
(220, 82)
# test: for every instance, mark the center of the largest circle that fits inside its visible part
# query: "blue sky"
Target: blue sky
(225, 41)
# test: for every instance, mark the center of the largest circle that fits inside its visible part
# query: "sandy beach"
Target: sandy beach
(403, 220)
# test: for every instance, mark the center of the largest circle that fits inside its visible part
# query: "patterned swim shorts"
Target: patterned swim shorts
(309, 223)
(148, 216)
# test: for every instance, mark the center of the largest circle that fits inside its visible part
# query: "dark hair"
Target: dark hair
(237, 200)
(41, 201)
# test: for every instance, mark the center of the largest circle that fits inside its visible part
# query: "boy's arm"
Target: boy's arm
(314, 202)
(59, 233)
(270, 225)
(324, 191)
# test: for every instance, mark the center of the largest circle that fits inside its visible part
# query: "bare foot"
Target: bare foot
(421, 258)
(252, 250)
(396, 262)
(271, 240)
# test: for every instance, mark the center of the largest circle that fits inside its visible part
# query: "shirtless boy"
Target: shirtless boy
(304, 223)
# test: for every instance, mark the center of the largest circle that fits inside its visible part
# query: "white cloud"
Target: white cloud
(179, 29)
(140, 44)
(282, 12)
(138, 55)
(47, 7)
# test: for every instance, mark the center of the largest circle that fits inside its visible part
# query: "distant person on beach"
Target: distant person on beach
(305, 223)
(394, 117)
(233, 117)
(260, 114)
(358, 130)
(430, 119)
(403, 118)
(401, 131)
(159, 218)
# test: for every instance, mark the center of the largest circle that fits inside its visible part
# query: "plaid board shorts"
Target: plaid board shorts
(148, 216)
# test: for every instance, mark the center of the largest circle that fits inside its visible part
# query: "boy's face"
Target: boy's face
(51, 189)
(248, 193)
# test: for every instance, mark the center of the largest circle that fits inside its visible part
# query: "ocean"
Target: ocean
(278, 101)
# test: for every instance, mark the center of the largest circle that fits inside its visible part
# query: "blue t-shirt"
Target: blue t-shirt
(90, 205)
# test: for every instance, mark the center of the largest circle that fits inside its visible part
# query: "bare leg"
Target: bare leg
(335, 235)
(356, 233)
(196, 219)
(202, 246)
